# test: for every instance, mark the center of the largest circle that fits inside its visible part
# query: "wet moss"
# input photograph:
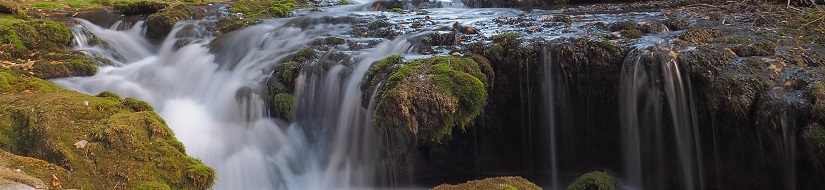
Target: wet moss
(58, 69)
(18, 84)
(431, 96)
(623, 25)
(504, 183)
(701, 35)
(304, 55)
(284, 103)
(160, 24)
(632, 34)
(23, 36)
(674, 23)
(254, 10)
(597, 180)
(139, 7)
(226, 25)
(152, 185)
(396, 10)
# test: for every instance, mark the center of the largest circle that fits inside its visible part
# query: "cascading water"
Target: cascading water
(548, 85)
(653, 88)
(210, 94)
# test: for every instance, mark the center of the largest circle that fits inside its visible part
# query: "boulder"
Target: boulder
(160, 24)
(507, 183)
(596, 180)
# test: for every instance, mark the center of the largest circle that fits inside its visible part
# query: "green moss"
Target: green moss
(254, 10)
(226, 25)
(137, 105)
(47, 5)
(132, 150)
(161, 23)
(624, 25)
(701, 35)
(110, 95)
(151, 185)
(305, 55)
(343, 2)
(33, 34)
(139, 7)
(443, 92)
(506, 38)
(396, 10)
(499, 183)
(374, 25)
(632, 34)
(596, 180)
(284, 103)
(335, 41)
(200, 176)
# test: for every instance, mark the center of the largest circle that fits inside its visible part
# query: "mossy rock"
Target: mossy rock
(503, 183)
(674, 23)
(20, 37)
(284, 103)
(59, 69)
(105, 144)
(160, 24)
(759, 48)
(623, 25)
(226, 25)
(632, 34)
(813, 139)
(596, 180)
(13, 83)
(110, 95)
(701, 35)
(140, 7)
(253, 10)
(737, 87)
(430, 96)
(705, 63)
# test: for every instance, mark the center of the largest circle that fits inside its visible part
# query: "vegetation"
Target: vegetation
(503, 183)
(431, 96)
(160, 24)
(597, 180)
(125, 149)
(284, 103)
(253, 10)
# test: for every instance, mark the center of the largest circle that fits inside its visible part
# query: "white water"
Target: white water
(214, 105)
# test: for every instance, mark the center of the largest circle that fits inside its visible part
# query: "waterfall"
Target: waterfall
(548, 86)
(657, 116)
(210, 93)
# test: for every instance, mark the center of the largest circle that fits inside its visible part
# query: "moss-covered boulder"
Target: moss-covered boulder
(252, 10)
(759, 48)
(431, 96)
(597, 180)
(22, 36)
(701, 35)
(226, 25)
(736, 89)
(160, 24)
(705, 63)
(504, 183)
(88, 142)
(139, 7)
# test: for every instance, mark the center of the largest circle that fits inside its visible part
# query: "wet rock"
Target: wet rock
(632, 34)
(161, 23)
(140, 7)
(379, 73)
(701, 35)
(759, 48)
(735, 90)
(597, 180)
(675, 23)
(594, 61)
(705, 63)
(429, 97)
(803, 57)
(813, 139)
(387, 5)
(780, 108)
(440, 39)
(493, 183)
(226, 25)
(53, 69)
